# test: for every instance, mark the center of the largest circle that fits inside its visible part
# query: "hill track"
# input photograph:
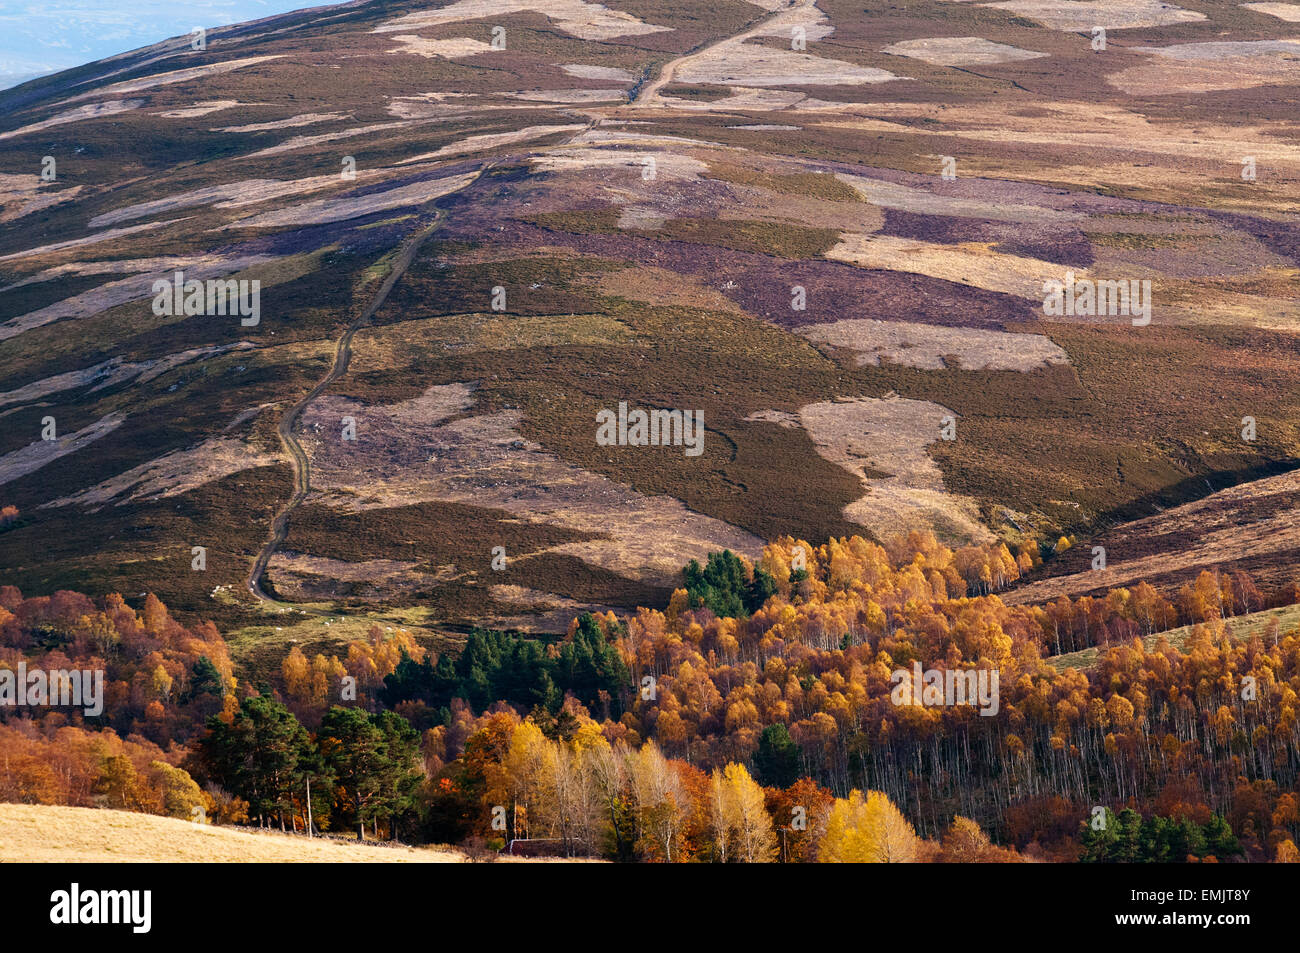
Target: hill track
(648, 95)
(342, 357)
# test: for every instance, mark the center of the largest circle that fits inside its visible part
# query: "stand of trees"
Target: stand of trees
(496, 666)
(751, 719)
(362, 768)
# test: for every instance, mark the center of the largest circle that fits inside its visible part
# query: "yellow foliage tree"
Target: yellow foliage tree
(868, 830)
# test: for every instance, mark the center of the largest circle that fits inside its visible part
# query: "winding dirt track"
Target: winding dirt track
(643, 95)
(648, 95)
(342, 357)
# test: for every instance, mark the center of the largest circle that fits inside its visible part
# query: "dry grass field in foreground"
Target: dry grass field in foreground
(44, 834)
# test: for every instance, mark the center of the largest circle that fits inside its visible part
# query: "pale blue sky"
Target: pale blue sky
(42, 36)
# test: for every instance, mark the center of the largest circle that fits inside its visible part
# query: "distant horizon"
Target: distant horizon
(36, 42)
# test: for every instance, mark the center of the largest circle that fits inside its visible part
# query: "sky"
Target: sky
(44, 36)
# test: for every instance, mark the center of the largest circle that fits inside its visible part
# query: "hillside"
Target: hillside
(477, 224)
(1241, 627)
(1254, 527)
(48, 834)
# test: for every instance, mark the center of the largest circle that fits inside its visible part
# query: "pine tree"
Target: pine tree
(776, 763)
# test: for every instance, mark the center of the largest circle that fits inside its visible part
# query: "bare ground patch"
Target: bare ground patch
(77, 114)
(227, 195)
(175, 76)
(960, 51)
(173, 473)
(892, 195)
(539, 611)
(355, 206)
(134, 288)
(450, 49)
(666, 164)
(105, 236)
(18, 463)
(867, 436)
(1075, 17)
(972, 263)
(111, 373)
(611, 73)
(1290, 12)
(744, 64)
(589, 21)
(571, 97)
(302, 142)
(22, 195)
(1210, 67)
(203, 108)
(293, 122)
(933, 347)
(1126, 149)
(300, 577)
(491, 141)
(425, 450)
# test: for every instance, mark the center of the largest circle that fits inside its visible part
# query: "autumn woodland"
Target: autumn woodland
(755, 718)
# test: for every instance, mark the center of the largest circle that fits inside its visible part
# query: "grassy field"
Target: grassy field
(1241, 627)
(43, 834)
(315, 628)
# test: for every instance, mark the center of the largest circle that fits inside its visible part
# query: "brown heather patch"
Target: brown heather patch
(432, 287)
(145, 547)
(696, 94)
(430, 534)
(659, 286)
(1130, 241)
(415, 342)
(1139, 419)
(1064, 246)
(801, 184)
(782, 240)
